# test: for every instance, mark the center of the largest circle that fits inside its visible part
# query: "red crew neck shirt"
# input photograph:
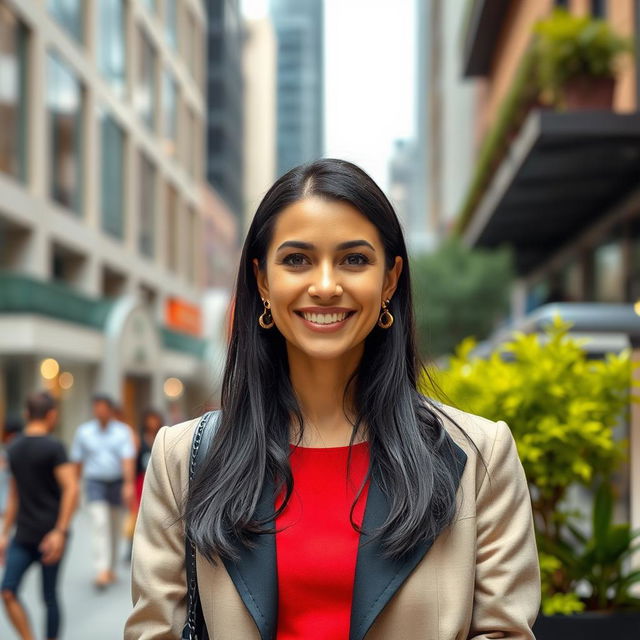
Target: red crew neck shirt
(316, 545)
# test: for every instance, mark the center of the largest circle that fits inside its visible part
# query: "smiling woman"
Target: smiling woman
(409, 519)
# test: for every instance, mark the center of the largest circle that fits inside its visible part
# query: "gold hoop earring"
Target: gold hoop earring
(386, 319)
(266, 320)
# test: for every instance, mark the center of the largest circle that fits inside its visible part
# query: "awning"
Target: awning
(562, 172)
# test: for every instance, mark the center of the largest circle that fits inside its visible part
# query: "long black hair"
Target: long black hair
(407, 440)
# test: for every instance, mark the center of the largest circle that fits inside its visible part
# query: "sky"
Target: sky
(369, 78)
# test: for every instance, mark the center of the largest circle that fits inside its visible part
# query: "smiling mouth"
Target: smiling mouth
(325, 318)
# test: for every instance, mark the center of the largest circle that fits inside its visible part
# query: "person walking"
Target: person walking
(43, 495)
(335, 499)
(104, 454)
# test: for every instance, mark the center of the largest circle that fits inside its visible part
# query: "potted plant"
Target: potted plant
(576, 58)
(595, 565)
(562, 409)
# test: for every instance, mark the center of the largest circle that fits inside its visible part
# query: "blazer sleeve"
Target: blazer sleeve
(507, 584)
(158, 578)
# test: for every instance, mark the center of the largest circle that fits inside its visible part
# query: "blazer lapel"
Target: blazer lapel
(376, 581)
(255, 573)
(378, 578)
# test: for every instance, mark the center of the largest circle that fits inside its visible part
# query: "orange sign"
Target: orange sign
(182, 316)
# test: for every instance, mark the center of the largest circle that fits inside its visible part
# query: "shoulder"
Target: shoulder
(486, 443)
(120, 427)
(175, 441)
(15, 444)
(56, 444)
(85, 428)
(170, 455)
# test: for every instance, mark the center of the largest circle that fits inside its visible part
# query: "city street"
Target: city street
(87, 613)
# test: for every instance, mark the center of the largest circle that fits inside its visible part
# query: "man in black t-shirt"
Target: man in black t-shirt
(43, 494)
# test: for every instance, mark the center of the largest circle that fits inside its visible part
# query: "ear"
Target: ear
(261, 279)
(391, 279)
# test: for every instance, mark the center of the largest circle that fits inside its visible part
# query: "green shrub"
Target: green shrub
(562, 409)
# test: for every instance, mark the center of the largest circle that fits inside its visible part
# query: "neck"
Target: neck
(103, 425)
(319, 386)
(36, 427)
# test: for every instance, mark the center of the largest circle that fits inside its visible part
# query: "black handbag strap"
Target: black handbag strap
(195, 627)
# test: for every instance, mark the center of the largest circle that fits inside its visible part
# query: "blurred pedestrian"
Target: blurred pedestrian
(152, 422)
(12, 428)
(104, 453)
(333, 499)
(43, 495)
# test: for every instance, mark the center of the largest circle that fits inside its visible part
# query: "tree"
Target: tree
(459, 292)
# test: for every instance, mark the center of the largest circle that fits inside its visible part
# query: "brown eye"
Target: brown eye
(294, 260)
(356, 259)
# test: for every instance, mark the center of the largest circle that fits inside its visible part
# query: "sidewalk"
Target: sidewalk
(87, 613)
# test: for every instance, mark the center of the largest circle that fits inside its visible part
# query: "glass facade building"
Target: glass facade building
(300, 94)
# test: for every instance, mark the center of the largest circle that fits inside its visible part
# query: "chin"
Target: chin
(326, 350)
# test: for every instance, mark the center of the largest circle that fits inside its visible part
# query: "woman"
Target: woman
(335, 500)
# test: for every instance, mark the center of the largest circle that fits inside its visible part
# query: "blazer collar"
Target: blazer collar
(377, 578)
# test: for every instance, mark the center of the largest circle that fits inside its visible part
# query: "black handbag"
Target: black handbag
(195, 627)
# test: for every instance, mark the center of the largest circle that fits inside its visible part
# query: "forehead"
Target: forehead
(323, 222)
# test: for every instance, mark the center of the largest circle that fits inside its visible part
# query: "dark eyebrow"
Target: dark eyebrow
(308, 246)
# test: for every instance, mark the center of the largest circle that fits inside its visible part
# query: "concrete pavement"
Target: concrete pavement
(87, 613)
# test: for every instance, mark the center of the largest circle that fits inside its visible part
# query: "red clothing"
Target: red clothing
(317, 551)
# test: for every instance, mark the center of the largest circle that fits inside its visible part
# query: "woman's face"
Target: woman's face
(325, 277)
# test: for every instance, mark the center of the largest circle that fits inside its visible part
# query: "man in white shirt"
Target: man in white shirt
(104, 453)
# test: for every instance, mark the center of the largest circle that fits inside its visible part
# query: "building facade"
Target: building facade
(103, 111)
(446, 123)
(225, 102)
(260, 64)
(562, 187)
(299, 26)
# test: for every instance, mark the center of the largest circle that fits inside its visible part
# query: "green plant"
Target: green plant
(458, 291)
(597, 561)
(569, 46)
(562, 409)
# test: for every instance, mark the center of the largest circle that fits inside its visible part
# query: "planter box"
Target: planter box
(591, 625)
(585, 92)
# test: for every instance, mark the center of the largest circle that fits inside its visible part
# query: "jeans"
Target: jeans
(19, 558)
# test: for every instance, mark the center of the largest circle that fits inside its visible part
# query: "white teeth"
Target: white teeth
(324, 318)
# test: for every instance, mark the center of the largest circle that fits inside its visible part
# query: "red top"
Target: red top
(317, 551)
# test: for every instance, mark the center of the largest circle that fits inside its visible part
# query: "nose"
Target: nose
(325, 284)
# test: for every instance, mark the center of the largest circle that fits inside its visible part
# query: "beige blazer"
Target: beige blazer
(479, 579)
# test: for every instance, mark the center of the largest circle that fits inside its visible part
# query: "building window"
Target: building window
(65, 109)
(69, 14)
(171, 22)
(562, 4)
(169, 113)
(191, 44)
(144, 97)
(151, 5)
(146, 206)
(112, 176)
(114, 283)
(13, 94)
(608, 272)
(172, 228)
(111, 44)
(599, 8)
(192, 241)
